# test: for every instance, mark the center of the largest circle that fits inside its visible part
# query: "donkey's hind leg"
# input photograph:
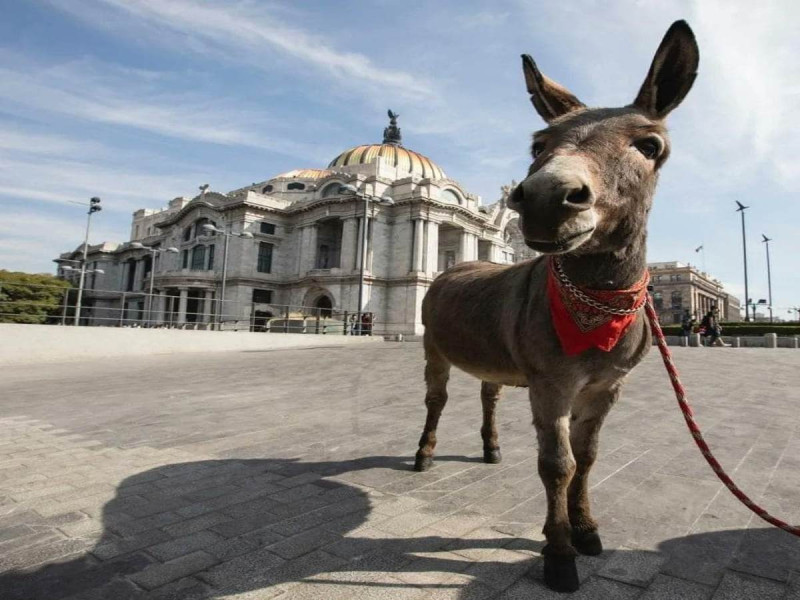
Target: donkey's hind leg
(490, 395)
(437, 372)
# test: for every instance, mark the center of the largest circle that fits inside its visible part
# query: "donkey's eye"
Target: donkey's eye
(537, 149)
(649, 147)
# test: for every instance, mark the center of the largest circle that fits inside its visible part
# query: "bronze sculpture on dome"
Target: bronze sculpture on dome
(391, 134)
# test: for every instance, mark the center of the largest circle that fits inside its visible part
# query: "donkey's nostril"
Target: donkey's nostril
(579, 196)
(517, 196)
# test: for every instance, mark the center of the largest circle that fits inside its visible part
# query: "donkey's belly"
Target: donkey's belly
(493, 375)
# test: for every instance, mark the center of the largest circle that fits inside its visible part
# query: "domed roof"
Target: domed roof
(405, 160)
(305, 174)
(393, 152)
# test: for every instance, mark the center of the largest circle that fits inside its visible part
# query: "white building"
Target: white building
(306, 246)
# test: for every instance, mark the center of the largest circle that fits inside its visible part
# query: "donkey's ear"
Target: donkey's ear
(672, 72)
(549, 98)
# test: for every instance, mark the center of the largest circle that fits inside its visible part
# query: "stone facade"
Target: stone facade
(306, 228)
(677, 286)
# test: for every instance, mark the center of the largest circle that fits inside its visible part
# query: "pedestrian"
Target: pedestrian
(713, 328)
(687, 323)
(366, 324)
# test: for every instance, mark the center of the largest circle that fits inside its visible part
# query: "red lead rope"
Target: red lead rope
(680, 394)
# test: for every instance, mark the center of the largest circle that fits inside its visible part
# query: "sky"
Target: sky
(140, 101)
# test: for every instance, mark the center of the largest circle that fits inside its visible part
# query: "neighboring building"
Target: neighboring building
(677, 286)
(306, 245)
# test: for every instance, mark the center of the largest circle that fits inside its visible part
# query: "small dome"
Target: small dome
(305, 174)
(405, 160)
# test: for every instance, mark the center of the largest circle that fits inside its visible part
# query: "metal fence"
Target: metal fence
(55, 305)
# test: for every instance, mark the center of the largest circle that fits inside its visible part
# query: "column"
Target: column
(432, 250)
(349, 235)
(312, 247)
(464, 254)
(160, 306)
(416, 264)
(359, 238)
(138, 275)
(184, 297)
(208, 306)
(301, 245)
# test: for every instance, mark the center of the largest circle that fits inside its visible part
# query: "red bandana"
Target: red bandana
(581, 326)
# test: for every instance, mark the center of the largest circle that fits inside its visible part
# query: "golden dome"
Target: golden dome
(305, 174)
(405, 160)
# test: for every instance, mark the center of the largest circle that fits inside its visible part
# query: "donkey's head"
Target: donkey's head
(594, 169)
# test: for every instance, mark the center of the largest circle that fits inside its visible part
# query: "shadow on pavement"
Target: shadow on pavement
(216, 528)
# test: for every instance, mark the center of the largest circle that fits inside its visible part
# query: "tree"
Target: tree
(30, 298)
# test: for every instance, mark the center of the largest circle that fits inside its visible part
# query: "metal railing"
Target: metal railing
(25, 303)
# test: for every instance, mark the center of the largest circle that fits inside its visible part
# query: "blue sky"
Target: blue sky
(141, 101)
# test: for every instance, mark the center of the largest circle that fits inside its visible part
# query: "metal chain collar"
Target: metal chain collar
(575, 291)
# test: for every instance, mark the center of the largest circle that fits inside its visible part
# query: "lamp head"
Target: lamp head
(137, 245)
(246, 235)
(348, 189)
(172, 250)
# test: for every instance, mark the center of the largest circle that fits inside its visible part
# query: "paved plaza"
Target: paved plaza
(288, 474)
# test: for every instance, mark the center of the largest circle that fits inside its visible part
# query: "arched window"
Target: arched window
(198, 226)
(331, 189)
(451, 196)
(267, 189)
(198, 258)
(296, 186)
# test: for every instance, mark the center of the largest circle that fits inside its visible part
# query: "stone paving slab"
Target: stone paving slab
(288, 475)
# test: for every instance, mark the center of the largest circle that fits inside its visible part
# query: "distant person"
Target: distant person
(366, 324)
(687, 323)
(713, 329)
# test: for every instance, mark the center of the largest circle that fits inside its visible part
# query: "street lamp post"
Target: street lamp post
(766, 242)
(245, 235)
(352, 190)
(83, 272)
(94, 206)
(741, 208)
(153, 252)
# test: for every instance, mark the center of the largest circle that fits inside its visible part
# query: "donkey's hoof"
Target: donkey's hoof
(492, 456)
(587, 542)
(560, 573)
(423, 463)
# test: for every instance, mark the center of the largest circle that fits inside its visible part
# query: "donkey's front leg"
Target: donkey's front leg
(588, 412)
(551, 412)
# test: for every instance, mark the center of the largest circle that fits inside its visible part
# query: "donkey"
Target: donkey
(584, 206)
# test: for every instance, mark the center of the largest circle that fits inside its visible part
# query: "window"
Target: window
(266, 189)
(324, 256)
(331, 190)
(677, 299)
(296, 186)
(198, 258)
(268, 228)
(264, 257)
(210, 258)
(658, 300)
(136, 232)
(262, 296)
(185, 260)
(187, 233)
(450, 196)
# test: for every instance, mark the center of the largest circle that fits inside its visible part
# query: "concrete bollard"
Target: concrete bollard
(737, 342)
(694, 340)
(771, 340)
(684, 341)
(796, 342)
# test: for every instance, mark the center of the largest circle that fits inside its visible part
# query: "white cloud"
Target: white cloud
(250, 31)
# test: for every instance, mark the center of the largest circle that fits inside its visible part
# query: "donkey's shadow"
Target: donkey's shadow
(216, 528)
